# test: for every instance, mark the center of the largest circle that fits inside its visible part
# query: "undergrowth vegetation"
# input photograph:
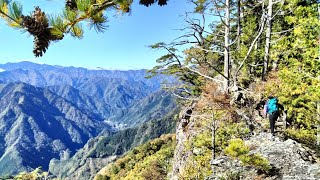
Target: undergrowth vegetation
(238, 149)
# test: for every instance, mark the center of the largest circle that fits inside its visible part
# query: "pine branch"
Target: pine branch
(9, 17)
(104, 5)
(69, 22)
(11, 13)
(98, 8)
(98, 22)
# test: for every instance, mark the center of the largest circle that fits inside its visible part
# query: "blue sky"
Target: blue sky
(122, 46)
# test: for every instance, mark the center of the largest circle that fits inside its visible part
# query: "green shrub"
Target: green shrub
(238, 149)
(229, 131)
(198, 164)
(101, 177)
(255, 160)
(305, 136)
(34, 175)
(114, 169)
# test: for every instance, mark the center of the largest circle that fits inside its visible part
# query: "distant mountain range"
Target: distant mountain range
(50, 112)
(107, 92)
(83, 79)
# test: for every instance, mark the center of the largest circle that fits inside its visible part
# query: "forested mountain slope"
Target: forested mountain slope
(38, 125)
(102, 150)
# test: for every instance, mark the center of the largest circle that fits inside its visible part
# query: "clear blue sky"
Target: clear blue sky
(122, 46)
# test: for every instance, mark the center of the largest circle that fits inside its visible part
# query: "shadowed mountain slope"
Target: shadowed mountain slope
(38, 125)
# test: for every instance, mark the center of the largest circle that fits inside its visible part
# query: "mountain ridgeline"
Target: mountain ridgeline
(50, 112)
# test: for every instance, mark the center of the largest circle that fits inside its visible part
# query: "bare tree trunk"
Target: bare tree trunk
(239, 24)
(256, 57)
(319, 34)
(267, 46)
(257, 46)
(227, 47)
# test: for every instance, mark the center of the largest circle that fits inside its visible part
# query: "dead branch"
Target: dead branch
(203, 75)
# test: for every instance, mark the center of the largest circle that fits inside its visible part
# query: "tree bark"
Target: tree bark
(239, 24)
(267, 45)
(227, 46)
(319, 34)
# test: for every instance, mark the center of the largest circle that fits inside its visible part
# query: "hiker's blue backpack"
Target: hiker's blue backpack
(272, 105)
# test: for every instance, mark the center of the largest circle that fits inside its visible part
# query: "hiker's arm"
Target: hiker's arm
(265, 110)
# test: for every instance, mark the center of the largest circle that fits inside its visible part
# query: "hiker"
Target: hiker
(272, 108)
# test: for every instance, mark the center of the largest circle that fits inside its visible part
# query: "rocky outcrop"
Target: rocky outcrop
(289, 160)
(184, 131)
(180, 155)
(81, 165)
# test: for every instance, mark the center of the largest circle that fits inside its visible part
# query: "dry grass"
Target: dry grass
(213, 97)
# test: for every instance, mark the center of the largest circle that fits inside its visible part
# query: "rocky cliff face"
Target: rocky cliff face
(184, 132)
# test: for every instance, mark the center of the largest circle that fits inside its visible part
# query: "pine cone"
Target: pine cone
(147, 2)
(41, 43)
(32, 26)
(71, 4)
(40, 17)
(37, 25)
